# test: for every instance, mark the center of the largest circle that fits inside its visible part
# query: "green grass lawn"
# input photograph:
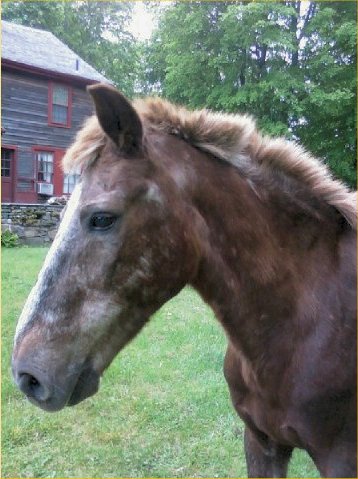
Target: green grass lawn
(163, 409)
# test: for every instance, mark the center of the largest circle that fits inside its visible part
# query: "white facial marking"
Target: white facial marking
(180, 177)
(65, 234)
(154, 193)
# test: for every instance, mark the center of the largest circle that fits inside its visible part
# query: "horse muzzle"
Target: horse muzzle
(51, 392)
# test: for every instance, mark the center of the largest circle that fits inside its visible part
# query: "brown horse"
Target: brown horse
(170, 197)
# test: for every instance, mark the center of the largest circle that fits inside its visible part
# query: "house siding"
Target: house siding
(25, 119)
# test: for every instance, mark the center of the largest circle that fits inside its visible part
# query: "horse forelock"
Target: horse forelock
(232, 138)
(88, 143)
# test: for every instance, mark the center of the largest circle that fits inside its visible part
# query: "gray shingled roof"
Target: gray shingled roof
(41, 49)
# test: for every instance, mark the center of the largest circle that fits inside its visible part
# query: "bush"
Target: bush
(9, 239)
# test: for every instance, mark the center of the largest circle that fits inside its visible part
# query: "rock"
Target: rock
(30, 233)
(34, 224)
(36, 241)
(19, 230)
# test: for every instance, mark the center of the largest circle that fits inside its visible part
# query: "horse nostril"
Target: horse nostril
(32, 387)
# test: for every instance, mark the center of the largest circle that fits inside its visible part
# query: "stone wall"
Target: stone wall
(35, 224)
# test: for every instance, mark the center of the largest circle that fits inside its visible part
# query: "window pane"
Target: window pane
(6, 153)
(45, 166)
(47, 177)
(44, 157)
(59, 114)
(69, 183)
(5, 168)
(49, 167)
(60, 95)
(6, 158)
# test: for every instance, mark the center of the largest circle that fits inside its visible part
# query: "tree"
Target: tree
(330, 61)
(290, 64)
(183, 53)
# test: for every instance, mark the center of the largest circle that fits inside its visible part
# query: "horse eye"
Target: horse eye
(102, 221)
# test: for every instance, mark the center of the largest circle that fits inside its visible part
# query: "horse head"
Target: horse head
(125, 245)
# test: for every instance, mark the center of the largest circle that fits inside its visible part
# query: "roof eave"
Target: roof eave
(50, 74)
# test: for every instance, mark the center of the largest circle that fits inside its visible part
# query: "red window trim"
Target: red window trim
(9, 147)
(50, 105)
(14, 178)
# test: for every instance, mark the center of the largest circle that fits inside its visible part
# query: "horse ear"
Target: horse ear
(117, 117)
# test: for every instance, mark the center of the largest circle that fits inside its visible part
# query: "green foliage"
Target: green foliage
(9, 239)
(291, 65)
(163, 409)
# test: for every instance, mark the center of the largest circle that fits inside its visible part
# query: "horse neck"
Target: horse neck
(252, 267)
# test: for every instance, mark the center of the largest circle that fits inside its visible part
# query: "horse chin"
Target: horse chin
(87, 385)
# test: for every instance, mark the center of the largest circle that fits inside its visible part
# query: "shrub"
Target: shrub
(9, 239)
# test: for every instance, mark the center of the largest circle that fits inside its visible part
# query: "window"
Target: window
(69, 183)
(59, 105)
(7, 157)
(44, 160)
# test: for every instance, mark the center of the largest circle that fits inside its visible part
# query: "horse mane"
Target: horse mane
(232, 138)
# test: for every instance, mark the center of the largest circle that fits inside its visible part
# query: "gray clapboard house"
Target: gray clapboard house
(44, 102)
